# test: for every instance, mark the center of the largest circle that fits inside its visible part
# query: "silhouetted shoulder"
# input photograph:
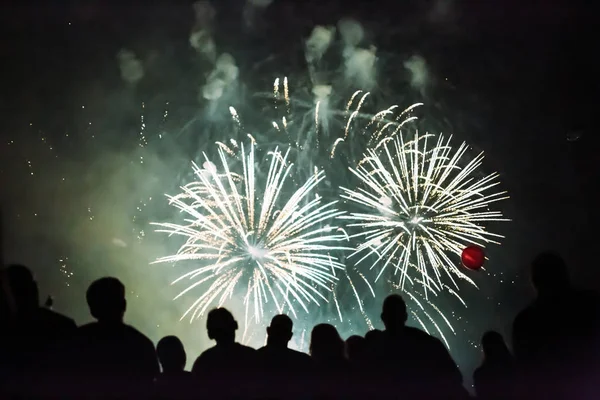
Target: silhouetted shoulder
(57, 320)
(422, 337)
(433, 350)
(118, 349)
(286, 355)
(246, 349)
(417, 333)
(224, 357)
(137, 335)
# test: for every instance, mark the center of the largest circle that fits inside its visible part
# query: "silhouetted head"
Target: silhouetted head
(394, 313)
(549, 274)
(171, 354)
(326, 344)
(106, 299)
(494, 347)
(373, 335)
(221, 326)
(23, 288)
(355, 347)
(280, 330)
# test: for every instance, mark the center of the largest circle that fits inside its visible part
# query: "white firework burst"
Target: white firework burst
(240, 231)
(421, 206)
(308, 124)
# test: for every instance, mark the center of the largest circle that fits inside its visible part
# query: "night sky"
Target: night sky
(518, 81)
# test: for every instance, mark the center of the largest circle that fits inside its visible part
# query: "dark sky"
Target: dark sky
(521, 84)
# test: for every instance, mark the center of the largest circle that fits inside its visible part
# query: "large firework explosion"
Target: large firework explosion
(327, 134)
(240, 231)
(328, 113)
(421, 207)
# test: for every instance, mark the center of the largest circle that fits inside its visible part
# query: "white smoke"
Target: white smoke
(203, 43)
(253, 9)
(441, 12)
(360, 68)
(359, 62)
(201, 38)
(223, 75)
(132, 70)
(205, 14)
(322, 94)
(319, 41)
(352, 32)
(419, 73)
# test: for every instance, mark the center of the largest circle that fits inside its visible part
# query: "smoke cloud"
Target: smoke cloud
(441, 12)
(419, 74)
(360, 68)
(359, 64)
(352, 32)
(319, 41)
(222, 76)
(132, 70)
(252, 10)
(201, 37)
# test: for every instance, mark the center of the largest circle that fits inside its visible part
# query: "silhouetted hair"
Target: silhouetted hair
(355, 347)
(494, 347)
(23, 287)
(171, 354)
(372, 335)
(280, 328)
(106, 299)
(220, 324)
(394, 311)
(549, 272)
(326, 343)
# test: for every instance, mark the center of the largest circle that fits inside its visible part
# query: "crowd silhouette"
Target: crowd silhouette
(43, 354)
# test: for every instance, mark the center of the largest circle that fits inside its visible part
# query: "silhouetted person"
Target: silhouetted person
(287, 369)
(34, 337)
(555, 339)
(356, 347)
(373, 335)
(413, 359)
(494, 379)
(227, 367)
(171, 356)
(112, 355)
(327, 347)
(372, 341)
(174, 380)
(328, 352)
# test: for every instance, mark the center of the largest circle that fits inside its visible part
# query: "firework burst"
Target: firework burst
(241, 232)
(323, 121)
(421, 206)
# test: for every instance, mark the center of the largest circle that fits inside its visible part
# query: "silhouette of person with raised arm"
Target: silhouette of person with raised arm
(112, 355)
(419, 361)
(174, 379)
(494, 379)
(555, 339)
(288, 369)
(34, 337)
(227, 361)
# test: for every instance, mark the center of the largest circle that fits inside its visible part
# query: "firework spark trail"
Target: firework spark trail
(239, 237)
(385, 122)
(422, 205)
